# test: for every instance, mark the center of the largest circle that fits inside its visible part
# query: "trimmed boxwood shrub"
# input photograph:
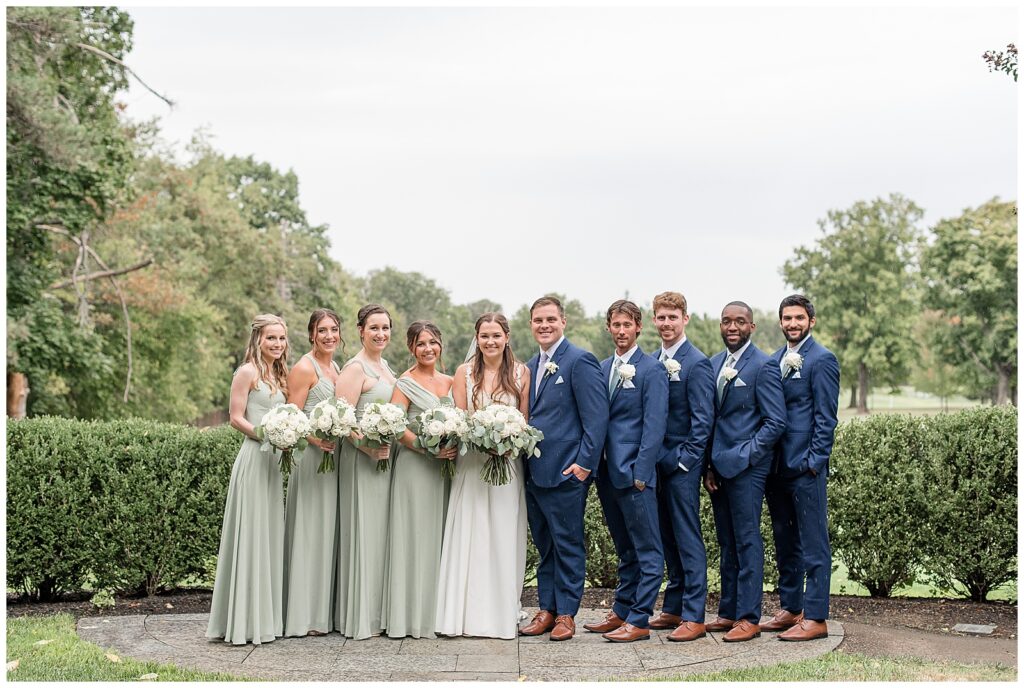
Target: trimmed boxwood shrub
(131, 505)
(136, 506)
(877, 502)
(970, 543)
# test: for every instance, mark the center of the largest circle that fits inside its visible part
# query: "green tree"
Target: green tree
(861, 276)
(69, 161)
(932, 372)
(999, 61)
(970, 271)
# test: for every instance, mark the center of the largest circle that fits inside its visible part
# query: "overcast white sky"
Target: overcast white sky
(507, 153)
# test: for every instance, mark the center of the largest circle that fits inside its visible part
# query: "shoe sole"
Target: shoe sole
(613, 640)
(686, 640)
(800, 640)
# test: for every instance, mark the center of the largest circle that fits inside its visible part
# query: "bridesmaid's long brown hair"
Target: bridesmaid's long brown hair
(506, 371)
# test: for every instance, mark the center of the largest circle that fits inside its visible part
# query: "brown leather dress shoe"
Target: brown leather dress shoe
(743, 630)
(543, 622)
(782, 620)
(688, 630)
(806, 630)
(627, 633)
(565, 628)
(663, 621)
(720, 624)
(610, 623)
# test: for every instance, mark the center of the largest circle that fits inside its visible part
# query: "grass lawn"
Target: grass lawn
(841, 585)
(62, 656)
(908, 400)
(842, 666)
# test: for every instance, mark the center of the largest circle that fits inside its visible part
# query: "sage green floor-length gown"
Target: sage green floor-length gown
(247, 591)
(419, 495)
(363, 498)
(310, 546)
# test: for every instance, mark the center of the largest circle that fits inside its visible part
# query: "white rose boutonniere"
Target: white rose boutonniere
(672, 367)
(627, 372)
(551, 367)
(729, 373)
(793, 360)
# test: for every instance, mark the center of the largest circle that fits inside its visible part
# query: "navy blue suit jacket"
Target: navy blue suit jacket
(691, 411)
(812, 404)
(636, 422)
(751, 416)
(571, 409)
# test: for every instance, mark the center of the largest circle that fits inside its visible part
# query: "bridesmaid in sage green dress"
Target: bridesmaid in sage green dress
(311, 508)
(247, 593)
(363, 491)
(419, 495)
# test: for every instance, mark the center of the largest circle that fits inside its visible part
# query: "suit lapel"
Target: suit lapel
(555, 357)
(618, 383)
(739, 369)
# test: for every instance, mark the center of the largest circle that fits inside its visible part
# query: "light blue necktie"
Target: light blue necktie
(614, 379)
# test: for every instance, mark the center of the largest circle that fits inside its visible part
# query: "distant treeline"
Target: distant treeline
(109, 235)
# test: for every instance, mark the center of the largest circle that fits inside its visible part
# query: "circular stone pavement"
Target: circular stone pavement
(180, 639)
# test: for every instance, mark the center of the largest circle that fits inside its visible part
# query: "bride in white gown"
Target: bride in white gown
(483, 556)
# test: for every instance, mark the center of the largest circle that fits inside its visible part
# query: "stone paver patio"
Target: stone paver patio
(180, 639)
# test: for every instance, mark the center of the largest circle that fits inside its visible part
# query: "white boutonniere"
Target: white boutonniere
(729, 373)
(551, 367)
(626, 372)
(672, 368)
(792, 361)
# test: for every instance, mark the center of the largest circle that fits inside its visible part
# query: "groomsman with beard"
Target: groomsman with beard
(795, 491)
(569, 405)
(750, 417)
(691, 415)
(627, 473)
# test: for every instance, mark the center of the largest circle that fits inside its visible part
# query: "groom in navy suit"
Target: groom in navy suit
(796, 485)
(626, 476)
(569, 404)
(691, 415)
(750, 417)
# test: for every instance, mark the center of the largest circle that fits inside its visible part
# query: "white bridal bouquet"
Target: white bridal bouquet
(332, 419)
(501, 432)
(284, 427)
(439, 428)
(381, 424)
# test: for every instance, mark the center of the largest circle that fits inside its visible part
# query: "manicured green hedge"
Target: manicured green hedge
(137, 505)
(934, 494)
(131, 505)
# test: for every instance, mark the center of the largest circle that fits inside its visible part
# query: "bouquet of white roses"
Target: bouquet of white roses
(439, 428)
(381, 424)
(332, 419)
(501, 432)
(284, 427)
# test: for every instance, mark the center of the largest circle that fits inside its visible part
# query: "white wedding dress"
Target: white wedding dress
(483, 555)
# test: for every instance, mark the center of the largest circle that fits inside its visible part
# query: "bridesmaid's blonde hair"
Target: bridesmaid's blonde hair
(275, 374)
